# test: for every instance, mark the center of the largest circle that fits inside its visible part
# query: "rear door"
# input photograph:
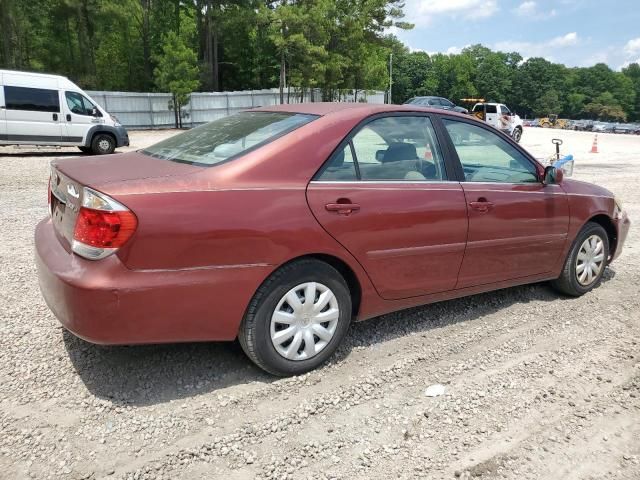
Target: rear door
(517, 225)
(32, 115)
(385, 195)
(491, 115)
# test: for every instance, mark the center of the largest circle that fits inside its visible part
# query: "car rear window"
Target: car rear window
(228, 137)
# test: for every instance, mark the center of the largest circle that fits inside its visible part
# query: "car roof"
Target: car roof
(363, 109)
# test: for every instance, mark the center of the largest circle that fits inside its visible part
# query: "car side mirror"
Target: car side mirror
(553, 175)
(95, 112)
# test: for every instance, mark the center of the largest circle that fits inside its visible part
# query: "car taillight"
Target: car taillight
(102, 226)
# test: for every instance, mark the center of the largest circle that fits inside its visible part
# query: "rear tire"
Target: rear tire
(290, 339)
(585, 263)
(103, 144)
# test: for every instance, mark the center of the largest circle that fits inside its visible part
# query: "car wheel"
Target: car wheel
(586, 262)
(85, 149)
(297, 318)
(103, 144)
(517, 135)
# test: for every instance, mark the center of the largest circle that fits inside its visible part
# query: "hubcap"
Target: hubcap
(104, 145)
(590, 260)
(304, 321)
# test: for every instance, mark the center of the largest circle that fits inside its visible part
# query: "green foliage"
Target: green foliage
(177, 72)
(299, 45)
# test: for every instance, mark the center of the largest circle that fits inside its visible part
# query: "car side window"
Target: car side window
(340, 167)
(78, 104)
(31, 99)
(492, 109)
(486, 157)
(505, 110)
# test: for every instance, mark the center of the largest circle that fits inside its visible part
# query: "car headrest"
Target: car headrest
(400, 151)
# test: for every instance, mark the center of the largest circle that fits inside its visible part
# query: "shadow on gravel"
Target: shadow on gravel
(152, 374)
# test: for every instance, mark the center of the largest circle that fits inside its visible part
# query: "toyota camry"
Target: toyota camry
(278, 226)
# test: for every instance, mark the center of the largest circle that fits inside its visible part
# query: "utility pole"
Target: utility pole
(390, 75)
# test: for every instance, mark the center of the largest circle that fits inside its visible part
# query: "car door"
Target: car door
(517, 225)
(80, 116)
(385, 195)
(491, 115)
(32, 115)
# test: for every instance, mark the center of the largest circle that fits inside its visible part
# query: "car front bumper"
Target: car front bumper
(104, 302)
(622, 224)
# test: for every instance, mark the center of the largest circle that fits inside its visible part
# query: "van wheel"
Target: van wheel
(103, 144)
(297, 318)
(85, 149)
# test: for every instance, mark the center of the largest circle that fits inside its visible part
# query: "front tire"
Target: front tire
(586, 262)
(297, 318)
(103, 144)
(517, 134)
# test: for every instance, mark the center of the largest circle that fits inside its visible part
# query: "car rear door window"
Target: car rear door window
(397, 148)
(31, 99)
(492, 109)
(486, 157)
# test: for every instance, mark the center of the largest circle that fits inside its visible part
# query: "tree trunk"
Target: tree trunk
(5, 22)
(215, 63)
(146, 43)
(175, 110)
(283, 74)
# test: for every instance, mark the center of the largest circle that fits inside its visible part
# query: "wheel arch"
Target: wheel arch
(350, 277)
(605, 222)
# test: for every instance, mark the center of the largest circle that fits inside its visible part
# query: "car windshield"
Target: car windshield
(227, 137)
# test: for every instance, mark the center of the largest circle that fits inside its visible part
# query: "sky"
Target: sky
(574, 32)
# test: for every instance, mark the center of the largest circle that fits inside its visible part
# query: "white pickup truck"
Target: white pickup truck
(499, 116)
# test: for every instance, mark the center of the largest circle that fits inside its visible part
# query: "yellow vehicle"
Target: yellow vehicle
(552, 121)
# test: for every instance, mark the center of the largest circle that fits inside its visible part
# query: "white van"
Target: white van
(39, 109)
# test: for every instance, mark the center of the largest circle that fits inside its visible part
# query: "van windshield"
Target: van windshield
(227, 137)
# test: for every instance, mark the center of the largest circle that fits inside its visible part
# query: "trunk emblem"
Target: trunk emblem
(71, 190)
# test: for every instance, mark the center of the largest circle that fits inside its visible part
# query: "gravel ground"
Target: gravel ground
(537, 386)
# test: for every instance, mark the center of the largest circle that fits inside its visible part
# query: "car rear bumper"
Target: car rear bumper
(105, 302)
(622, 226)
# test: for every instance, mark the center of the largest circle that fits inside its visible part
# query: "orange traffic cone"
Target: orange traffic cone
(594, 146)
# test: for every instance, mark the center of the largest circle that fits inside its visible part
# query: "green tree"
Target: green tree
(177, 73)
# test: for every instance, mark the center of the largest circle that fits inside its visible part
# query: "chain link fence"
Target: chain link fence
(152, 110)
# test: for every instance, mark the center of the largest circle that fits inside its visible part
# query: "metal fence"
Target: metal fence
(151, 110)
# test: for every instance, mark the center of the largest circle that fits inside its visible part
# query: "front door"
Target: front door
(32, 115)
(80, 116)
(517, 225)
(3, 108)
(385, 196)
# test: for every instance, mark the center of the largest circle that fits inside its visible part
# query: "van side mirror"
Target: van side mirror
(95, 112)
(553, 175)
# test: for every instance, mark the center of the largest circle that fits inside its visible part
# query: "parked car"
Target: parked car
(279, 225)
(39, 109)
(623, 128)
(436, 102)
(602, 127)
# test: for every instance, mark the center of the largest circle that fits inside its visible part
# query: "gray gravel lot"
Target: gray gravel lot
(537, 386)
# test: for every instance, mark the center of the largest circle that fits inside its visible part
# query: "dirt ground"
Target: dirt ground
(537, 386)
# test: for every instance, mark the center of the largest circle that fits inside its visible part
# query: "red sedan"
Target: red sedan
(279, 225)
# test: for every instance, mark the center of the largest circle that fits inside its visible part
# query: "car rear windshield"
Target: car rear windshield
(228, 137)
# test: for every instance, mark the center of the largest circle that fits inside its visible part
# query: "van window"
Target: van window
(492, 109)
(31, 99)
(79, 104)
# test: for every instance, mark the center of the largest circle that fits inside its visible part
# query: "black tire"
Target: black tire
(103, 144)
(517, 134)
(85, 149)
(567, 282)
(254, 334)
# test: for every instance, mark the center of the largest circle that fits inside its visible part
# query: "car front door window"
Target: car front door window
(486, 157)
(78, 104)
